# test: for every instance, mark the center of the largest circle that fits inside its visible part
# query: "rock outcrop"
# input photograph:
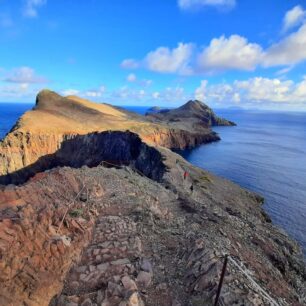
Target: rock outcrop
(56, 119)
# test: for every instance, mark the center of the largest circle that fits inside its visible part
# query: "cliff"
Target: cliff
(56, 119)
(136, 233)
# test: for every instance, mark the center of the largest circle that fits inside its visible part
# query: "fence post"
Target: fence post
(221, 280)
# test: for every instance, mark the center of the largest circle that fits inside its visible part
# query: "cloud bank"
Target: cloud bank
(223, 53)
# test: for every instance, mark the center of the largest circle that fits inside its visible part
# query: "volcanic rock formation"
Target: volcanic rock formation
(56, 119)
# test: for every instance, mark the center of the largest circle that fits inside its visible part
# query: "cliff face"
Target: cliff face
(56, 119)
(113, 236)
(117, 148)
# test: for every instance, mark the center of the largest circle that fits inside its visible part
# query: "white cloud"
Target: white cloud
(155, 94)
(167, 60)
(258, 91)
(284, 70)
(230, 53)
(95, 93)
(129, 64)
(31, 6)
(217, 94)
(191, 4)
(261, 89)
(224, 54)
(293, 18)
(174, 95)
(200, 92)
(289, 51)
(24, 75)
(17, 92)
(164, 60)
(70, 92)
(300, 91)
(131, 77)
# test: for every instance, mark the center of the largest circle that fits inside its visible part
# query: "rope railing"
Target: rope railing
(256, 287)
(69, 205)
(119, 165)
(84, 186)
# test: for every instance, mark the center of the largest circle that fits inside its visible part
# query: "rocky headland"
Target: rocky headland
(56, 119)
(98, 215)
(192, 116)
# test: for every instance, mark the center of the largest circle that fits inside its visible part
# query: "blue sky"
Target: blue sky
(156, 52)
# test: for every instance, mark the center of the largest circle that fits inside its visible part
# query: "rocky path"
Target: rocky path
(105, 273)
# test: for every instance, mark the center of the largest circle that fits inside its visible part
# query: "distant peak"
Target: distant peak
(193, 105)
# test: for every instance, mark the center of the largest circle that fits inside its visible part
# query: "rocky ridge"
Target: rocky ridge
(56, 119)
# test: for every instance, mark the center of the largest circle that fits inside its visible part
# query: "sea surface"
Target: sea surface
(265, 152)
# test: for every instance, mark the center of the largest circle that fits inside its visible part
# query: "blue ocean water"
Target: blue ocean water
(265, 152)
(9, 113)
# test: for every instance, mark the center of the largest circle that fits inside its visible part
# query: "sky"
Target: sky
(226, 53)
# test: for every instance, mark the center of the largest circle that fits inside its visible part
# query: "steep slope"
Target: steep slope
(55, 119)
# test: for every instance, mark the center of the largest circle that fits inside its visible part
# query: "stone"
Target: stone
(87, 302)
(123, 261)
(103, 267)
(129, 284)
(100, 296)
(81, 269)
(133, 300)
(146, 266)
(144, 279)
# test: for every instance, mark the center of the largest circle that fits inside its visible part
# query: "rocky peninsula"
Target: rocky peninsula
(95, 209)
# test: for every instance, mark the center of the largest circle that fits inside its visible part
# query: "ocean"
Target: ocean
(265, 152)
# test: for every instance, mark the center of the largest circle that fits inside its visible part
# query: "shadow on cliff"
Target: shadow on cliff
(115, 147)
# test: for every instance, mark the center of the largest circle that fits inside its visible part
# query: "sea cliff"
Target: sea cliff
(55, 119)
